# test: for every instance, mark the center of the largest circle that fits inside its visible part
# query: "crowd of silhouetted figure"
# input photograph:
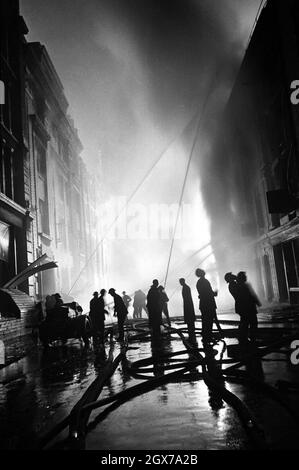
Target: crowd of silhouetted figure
(155, 305)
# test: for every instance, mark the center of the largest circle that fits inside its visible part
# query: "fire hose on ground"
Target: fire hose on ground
(78, 419)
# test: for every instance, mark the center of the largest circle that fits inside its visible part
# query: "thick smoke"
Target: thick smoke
(135, 72)
(170, 54)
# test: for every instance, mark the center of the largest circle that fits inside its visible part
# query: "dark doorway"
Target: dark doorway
(269, 285)
(281, 275)
(290, 264)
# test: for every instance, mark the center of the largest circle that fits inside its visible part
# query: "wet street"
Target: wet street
(40, 390)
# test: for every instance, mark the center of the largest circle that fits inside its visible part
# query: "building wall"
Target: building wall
(258, 141)
(48, 200)
(14, 218)
(25, 318)
(64, 195)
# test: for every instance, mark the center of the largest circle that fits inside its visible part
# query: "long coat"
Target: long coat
(97, 312)
(154, 306)
(233, 289)
(206, 295)
(246, 299)
(119, 307)
(189, 312)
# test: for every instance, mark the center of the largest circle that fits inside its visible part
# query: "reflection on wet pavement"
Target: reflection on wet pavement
(41, 389)
(174, 416)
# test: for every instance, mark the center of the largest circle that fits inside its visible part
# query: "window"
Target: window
(4, 241)
(65, 152)
(7, 108)
(44, 216)
(2, 93)
(6, 173)
(4, 43)
(41, 157)
(2, 171)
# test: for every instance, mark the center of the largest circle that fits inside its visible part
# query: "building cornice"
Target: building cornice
(281, 234)
(12, 213)
(43, 76)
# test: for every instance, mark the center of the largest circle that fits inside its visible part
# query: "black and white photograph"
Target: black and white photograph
(149, 228)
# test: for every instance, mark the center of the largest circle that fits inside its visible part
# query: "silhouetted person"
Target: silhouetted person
(121, 311)
(55, 311)
(76, 308)
(39, 312)
(189, 312)
(126, 299)
(154, 309)
(136, 306)
(139, 304)
(49, 302)
(164, 300)
(58, 299)
(37, 317)
(231, 280)
(49, 306)
(97, 315)
(246, 304)
(207, 305)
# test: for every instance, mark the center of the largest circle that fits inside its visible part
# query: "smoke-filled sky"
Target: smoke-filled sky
(130, 65)
(135, 72)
